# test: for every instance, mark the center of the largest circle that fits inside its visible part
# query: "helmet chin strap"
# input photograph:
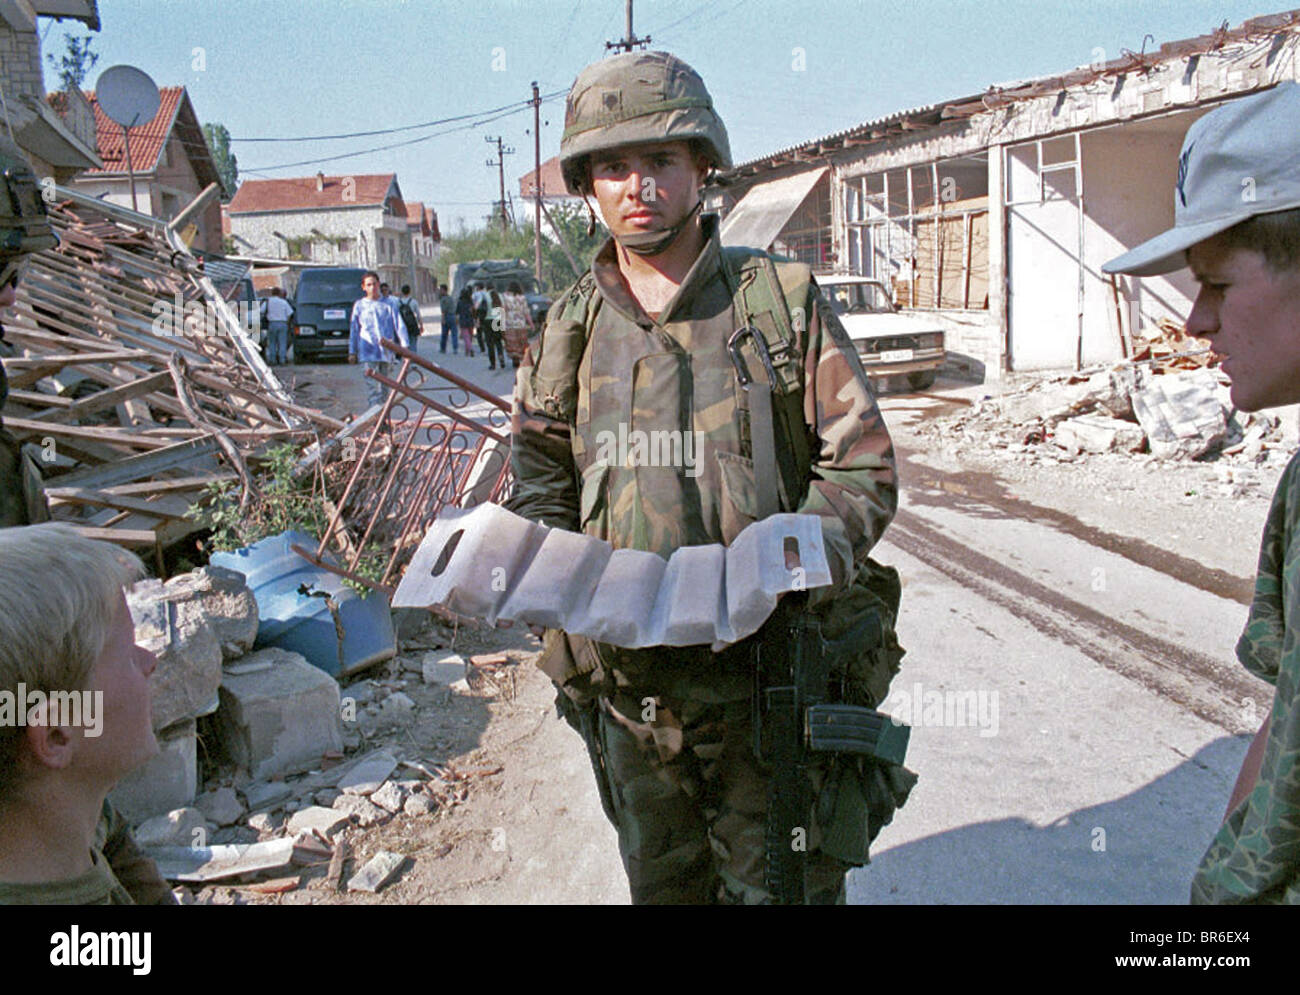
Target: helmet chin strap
(651, 243)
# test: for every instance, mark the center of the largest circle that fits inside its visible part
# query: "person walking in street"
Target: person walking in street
(278, 314)
(409, 310)
(482, 305)
(465, 319)
(447, 308)
(374, 319)
(1245, 254)
(516, 321)
(492, 332)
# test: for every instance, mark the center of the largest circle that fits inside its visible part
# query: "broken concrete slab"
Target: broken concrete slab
(185, 681)
(166, 781)
(317, 818)
(214, 863)
(1099, 434)
(266, 794)
(382, 868)
(1181, 414)
(390, 797)
(490, 563)
(368, 774)
(224, 599)
(361, 810)
(179, 827)
(279, 720)
(221, 806)
(439, 667)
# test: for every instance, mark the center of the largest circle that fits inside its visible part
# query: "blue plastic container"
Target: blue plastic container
(303, 623)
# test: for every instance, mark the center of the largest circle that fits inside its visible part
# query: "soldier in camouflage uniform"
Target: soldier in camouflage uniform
(24, 229)
(1245, 252)
(639, 345)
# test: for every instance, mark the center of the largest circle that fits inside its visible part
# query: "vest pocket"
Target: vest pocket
(739, 504)
(594, 500)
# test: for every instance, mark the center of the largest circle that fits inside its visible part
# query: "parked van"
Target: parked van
(322, 305)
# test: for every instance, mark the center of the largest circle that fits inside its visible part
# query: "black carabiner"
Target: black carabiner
(760, 346)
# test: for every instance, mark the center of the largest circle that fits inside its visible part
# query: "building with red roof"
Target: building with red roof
(351, 220)
(170, 164)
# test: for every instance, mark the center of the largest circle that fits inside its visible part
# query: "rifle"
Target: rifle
(794, 719)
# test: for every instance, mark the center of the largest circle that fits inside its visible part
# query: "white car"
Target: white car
(889, 343)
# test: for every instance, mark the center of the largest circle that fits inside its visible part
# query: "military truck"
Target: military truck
(497, 274)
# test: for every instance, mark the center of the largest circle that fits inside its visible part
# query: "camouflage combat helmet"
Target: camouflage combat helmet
(637, 97)
(24, 227)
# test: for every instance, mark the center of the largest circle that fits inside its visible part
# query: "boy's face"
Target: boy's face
(120, 679)
(370, 287)
(1251, 315)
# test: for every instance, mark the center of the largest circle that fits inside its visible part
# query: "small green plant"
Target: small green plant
(283, 505)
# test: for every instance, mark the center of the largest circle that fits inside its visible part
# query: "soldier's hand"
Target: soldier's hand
(352, 357)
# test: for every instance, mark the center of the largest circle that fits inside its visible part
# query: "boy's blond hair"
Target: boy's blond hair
(58, 598)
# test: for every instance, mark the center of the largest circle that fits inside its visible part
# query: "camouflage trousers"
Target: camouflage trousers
(689, 801)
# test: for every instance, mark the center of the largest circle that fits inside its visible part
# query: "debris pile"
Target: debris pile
(1172, 404)
(135, 381)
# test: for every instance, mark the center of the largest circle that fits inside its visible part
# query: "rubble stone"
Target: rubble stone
(317, 817)
(1181, 414)
(442, 668)
(167, 781)
(266, 794)
(221, 806)
(397, 709)
(179, 827)
(389, 797)
(185, 681)
(224, 599)
(418, 805)
(382, 868)
(369, 774)
(280, 719)
(1099, 434)
(264, 822)
(360, 809)
(326, 796)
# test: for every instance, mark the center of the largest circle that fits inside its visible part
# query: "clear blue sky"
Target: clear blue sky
(286, 68)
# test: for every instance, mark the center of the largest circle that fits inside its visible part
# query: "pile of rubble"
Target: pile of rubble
(135, 381)
(292, 762)
(1183, 414)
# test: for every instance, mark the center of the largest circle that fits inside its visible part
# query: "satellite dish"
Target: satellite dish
(127, 95)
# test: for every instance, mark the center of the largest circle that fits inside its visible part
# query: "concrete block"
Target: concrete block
(179, 827)
(1099, 434)
(184, 684)
(1181, 414)
(168, 781)
(441, 667)
(265, 794)
(279, 720)
(382, 868)
(368, 773)
(221, 806)
(316, 817)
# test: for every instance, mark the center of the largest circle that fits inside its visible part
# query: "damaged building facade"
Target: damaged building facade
(993, 213)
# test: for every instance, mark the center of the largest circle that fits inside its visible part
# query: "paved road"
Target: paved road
(1098, 766)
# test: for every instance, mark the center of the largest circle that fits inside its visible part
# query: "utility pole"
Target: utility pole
(631, 39)
(537, 184)
(502, 151)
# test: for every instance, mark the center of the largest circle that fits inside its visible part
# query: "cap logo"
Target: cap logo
(1182, 172)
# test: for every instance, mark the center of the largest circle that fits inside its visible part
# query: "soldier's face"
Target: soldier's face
(647, 187)
(1251, 315)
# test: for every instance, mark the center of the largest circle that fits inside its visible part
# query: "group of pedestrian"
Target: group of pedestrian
(499, 321)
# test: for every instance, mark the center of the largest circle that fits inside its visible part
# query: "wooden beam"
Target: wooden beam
(84, 495)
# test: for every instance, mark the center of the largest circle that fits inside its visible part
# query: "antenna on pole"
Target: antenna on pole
(129, 97)
(502, 151)
(631, 39)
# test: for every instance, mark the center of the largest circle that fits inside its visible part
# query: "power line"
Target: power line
(395, 145)
(405, 127)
